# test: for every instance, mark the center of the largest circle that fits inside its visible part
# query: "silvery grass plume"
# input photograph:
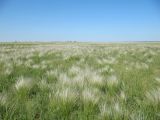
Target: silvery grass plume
(43, 64)
(96, 79)
(107, 68)
(28, 63)
(78, 80)
(117, 108)
(85, 76)
(112, 80)
(138, 65)
(3, 98)
(150, 60)
(36, 66)
(122, 95)
(92, 77)
(74, 69)
(154, 96)
(64, 79)
(29, 55)
(90, 95)
(113, 109)
(157, 79)
(19, 62)
(151, 52)
(109, 60)
(44, 85)
(144, 65)
(8, 71)
(139, 115)
(104, 110)
(66, 94)
(51, 73)
(23, 83)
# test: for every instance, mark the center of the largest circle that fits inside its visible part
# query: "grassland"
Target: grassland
(79, 81)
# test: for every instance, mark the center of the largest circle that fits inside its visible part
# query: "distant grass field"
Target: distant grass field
(80, 81)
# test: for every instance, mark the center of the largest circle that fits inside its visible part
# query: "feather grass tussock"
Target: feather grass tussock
(23, 82)
(154, 96)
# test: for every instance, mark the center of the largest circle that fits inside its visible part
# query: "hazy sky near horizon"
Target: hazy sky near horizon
(79, 20)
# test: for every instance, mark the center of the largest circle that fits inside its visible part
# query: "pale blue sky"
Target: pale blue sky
(79, 20)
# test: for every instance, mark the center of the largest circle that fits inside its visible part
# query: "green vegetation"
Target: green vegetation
(80, 81)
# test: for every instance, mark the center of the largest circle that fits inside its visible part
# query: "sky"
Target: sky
(79, 20)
